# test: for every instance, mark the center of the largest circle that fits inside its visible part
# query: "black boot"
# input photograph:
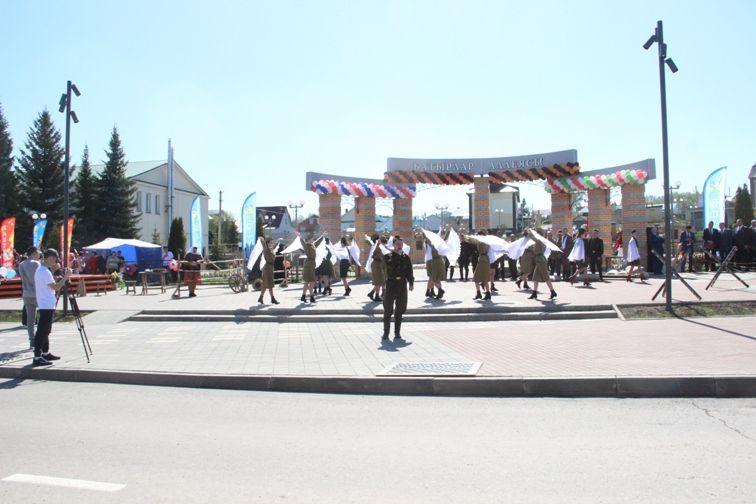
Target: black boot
(440, 293)
(273, 300)
(312, 298)
(347, 291)
(427, 293)
(478, 296)
(518, 283)
(370, 295)
(533, 296)
(260, 300)
(303, 298)
(487, 297)
(525, 286)
(553, 294)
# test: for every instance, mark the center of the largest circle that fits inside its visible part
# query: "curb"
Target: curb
(613, 386)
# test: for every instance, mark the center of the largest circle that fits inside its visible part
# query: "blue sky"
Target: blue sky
(255, 94)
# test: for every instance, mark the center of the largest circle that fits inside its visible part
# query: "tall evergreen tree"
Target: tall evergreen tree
(743, 205)
(8, 186)
(84, 204)
(115, 195)
(41, 178)
(177, 238)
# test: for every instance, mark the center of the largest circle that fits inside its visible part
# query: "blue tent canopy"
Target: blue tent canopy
(144, 255)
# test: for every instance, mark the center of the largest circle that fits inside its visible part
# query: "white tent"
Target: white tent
(114, 243)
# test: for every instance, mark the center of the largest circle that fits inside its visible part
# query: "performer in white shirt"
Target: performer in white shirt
(633, 258)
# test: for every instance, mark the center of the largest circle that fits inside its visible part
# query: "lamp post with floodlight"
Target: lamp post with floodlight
(658, 38)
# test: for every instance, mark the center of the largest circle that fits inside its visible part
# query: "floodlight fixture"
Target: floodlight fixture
(73, 116)
(63, 101)
(649, 42)
(671, 65)
(75, 90)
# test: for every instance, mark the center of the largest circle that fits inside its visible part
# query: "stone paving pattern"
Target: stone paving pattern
(580, 348)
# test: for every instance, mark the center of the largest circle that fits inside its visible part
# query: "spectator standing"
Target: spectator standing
(725, 241)
(46, 288)
(656, 243)
(688, 241)
(711, 243)
(27, 269)
(596, 254)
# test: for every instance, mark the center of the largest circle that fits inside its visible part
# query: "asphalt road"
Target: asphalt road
(111, 443)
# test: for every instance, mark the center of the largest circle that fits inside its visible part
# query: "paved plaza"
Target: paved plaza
(567, 351)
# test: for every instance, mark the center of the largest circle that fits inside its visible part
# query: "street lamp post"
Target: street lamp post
(65, 106)
(658, 38)
(296, 207)
(442, 207)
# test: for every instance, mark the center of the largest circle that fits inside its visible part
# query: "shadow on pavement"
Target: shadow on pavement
(716, 328)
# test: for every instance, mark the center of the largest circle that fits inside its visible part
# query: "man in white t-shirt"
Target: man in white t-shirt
(46, 287)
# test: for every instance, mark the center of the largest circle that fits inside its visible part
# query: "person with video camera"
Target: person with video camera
(46, 287)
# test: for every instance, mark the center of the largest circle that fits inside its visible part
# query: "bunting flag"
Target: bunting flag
(530, 174)
(7, 237)
(39, 232)
(249, 224)
(67, 260)
(587, 182)
(362, 189)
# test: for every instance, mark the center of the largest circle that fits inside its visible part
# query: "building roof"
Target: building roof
(136, 168)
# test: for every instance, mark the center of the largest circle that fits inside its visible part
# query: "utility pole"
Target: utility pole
(220, 218)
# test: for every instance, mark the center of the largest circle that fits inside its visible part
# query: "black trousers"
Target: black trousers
(394, 303)
(595, 262)
(464, 269)
(42, 337)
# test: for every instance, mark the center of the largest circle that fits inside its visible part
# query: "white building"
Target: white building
(152, 200)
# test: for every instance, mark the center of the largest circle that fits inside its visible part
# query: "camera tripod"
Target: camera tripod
(80, 326)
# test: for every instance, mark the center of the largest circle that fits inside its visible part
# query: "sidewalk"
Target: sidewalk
(699, 357)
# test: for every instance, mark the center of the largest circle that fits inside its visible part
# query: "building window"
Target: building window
(157, 204)
(147, 203)
(139, 201)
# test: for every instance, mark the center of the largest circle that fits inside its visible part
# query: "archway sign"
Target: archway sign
(559, 169)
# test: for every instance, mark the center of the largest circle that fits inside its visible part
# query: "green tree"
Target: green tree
(41, 177)
(743, 205)
(156, 237)
(229, 238)
(84, 203)
(8, 184)
(115, 195)
(177, 238)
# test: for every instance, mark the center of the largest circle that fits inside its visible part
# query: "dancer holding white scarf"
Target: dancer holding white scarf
(633, 258)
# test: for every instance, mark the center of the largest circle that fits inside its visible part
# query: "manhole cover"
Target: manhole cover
(431, 369)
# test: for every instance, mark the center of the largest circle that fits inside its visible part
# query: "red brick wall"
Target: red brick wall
(634, 216)
(364, 224)
(600, 216)
(561, 214)
(481, 207)
(330, 215)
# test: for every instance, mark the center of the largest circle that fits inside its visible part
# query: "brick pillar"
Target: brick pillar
(600, 216)
(635, 216)
(330, 215)
(403, 222)
(364, 224)
(481, 206)
(561, 213)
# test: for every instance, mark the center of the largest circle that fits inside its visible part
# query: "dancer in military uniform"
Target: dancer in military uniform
(436, 269)
(398, 275)
(268, 246)
(540, 265)
(378, 269)
(482, 272)
(308, 272)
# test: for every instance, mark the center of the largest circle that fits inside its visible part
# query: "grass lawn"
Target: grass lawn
(688, 310)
